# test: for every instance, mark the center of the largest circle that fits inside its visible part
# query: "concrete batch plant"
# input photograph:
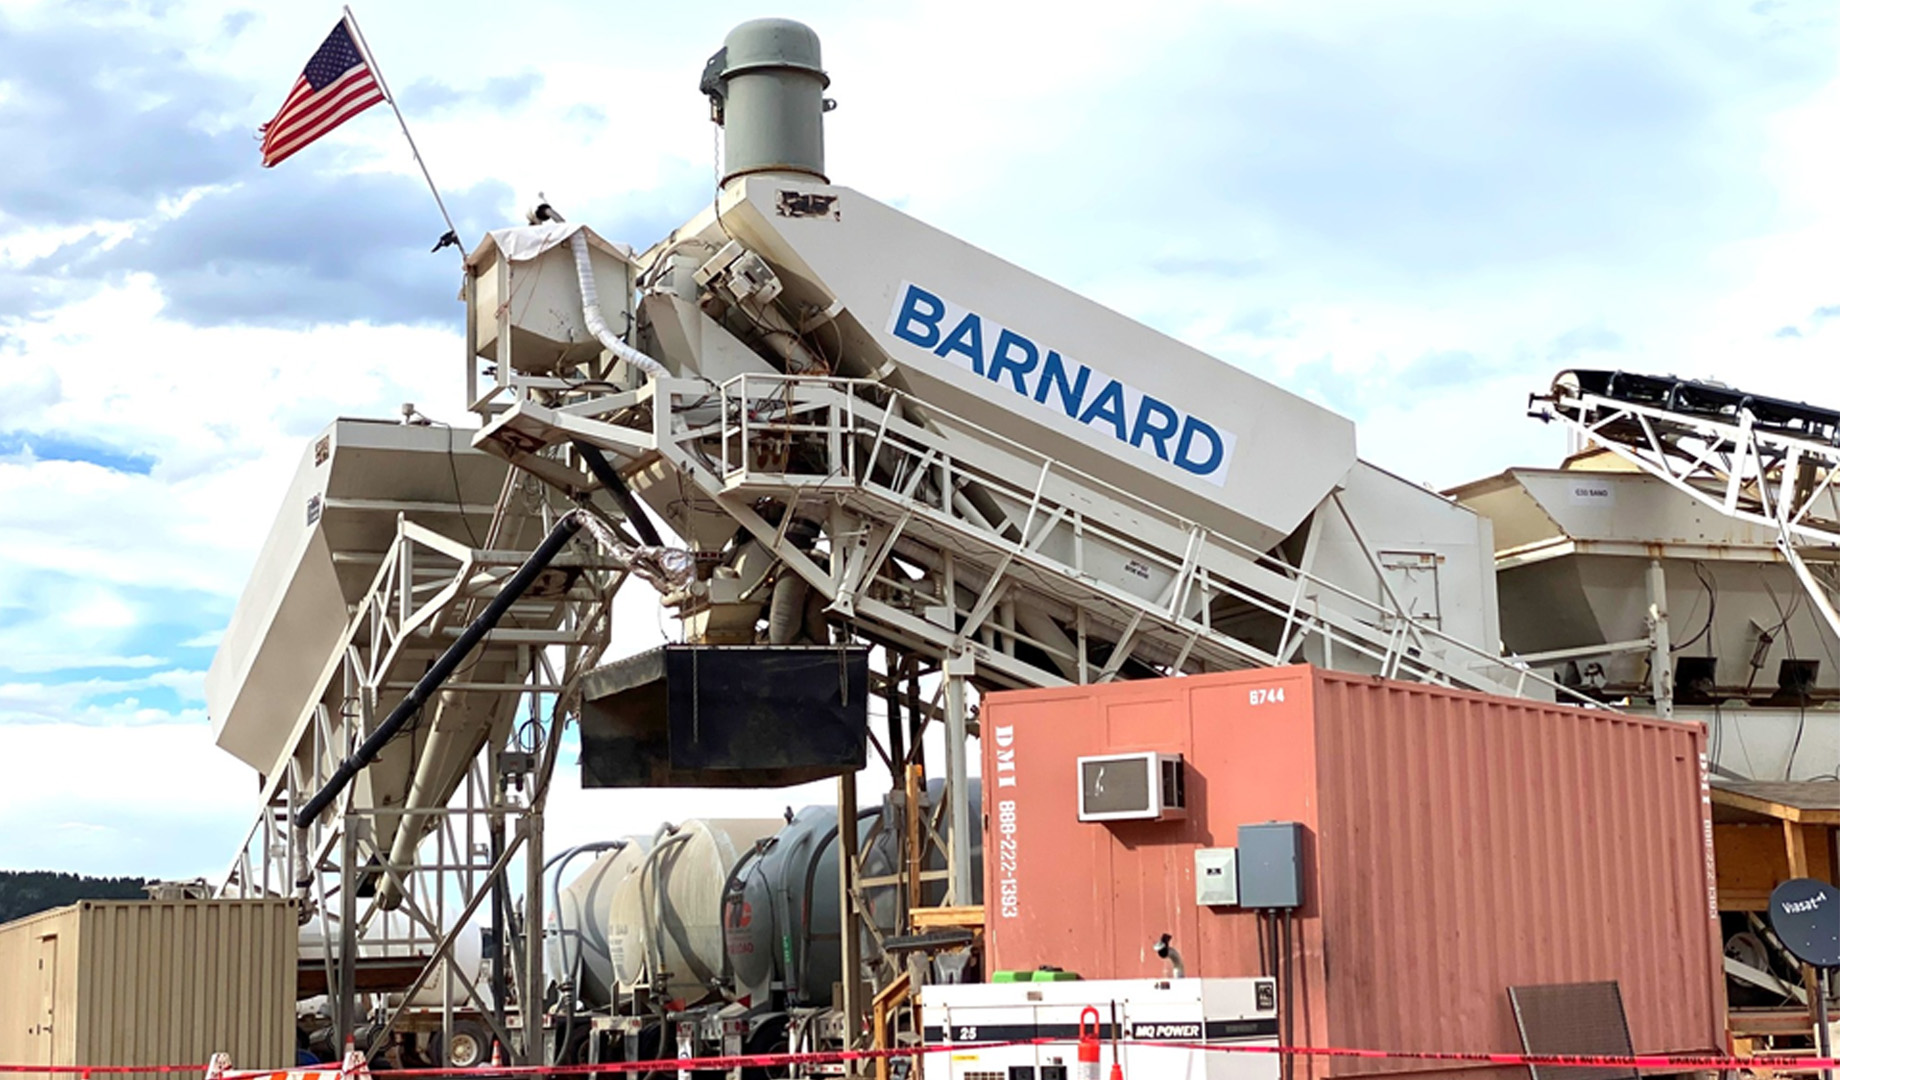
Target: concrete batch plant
(866, 464)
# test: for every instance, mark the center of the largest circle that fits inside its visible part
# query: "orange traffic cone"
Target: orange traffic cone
(496, 1053)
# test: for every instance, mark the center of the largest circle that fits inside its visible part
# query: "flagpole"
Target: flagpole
(353, 27)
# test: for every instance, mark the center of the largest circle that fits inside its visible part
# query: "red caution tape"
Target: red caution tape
(1594, 1061)
(1781, 1062)
(120, 1070)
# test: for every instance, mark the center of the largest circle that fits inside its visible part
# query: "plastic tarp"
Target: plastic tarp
(532, 241)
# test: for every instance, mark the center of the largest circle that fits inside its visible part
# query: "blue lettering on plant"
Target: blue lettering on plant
(1059, 383)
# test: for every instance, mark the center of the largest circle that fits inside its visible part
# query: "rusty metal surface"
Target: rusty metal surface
(1458, 844)
(1473, 844)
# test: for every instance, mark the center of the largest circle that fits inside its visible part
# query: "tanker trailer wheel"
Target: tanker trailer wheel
(769, 1038)
(575, 1050)
(469, 1046)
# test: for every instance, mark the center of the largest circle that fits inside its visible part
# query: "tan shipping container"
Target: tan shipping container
(150, 982)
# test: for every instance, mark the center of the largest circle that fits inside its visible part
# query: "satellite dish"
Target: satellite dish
(1805, 913)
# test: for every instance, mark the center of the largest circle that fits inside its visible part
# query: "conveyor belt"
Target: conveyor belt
(1709, 401)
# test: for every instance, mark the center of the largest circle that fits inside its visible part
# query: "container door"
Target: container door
(49, 973)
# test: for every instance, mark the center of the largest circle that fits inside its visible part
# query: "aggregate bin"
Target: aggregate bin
(1454, 844)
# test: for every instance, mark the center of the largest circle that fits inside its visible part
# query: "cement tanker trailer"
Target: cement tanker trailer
(578, 956)
(717, 935)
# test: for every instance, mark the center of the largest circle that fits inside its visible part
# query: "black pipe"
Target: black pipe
(1826, 1037)
(728, 893)
(566, 1031)
(896, 735)
(442, 668)
(497, 839)
(1260, 944)
(1286, 916)
(805, 950)
(603, 471)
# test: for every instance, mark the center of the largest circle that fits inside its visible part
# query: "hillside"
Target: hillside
(25, 892)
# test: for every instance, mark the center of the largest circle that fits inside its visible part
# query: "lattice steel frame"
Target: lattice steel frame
(1785, 482)
(427, 588)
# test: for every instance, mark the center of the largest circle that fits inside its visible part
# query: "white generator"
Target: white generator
(972, 1018)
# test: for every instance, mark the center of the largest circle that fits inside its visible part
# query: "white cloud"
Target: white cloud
(100, 611)
(1301, 190)
(148, 800)
(57, 702)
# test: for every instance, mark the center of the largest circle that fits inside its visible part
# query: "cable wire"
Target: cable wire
(1712, 605)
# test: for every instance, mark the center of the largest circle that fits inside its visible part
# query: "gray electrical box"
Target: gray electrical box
(1215, 879)
(1270, 871)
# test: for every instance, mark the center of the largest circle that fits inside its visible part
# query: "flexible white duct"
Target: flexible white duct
(597, 326)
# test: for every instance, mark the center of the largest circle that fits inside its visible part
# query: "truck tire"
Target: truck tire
(769, 1038)
(470, 1047)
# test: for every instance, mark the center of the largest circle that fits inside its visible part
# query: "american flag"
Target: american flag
(337, 85)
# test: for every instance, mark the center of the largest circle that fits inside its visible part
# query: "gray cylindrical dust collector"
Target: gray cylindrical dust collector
(767, 89)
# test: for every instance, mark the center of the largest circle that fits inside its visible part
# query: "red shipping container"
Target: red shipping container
(1456, 844)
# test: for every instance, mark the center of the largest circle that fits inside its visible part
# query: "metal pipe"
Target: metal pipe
(345, 1012)
(1286, 967)
(653, 895)
(559, 908)
(728, 894)
(497, 889)
(960, 853)
(533, 1034)
(1660, 672)
(609, 478)
(442, 668)
(853, 980)
(802, 955)
(1826, 1035)
(1176, 965)
(439, 754)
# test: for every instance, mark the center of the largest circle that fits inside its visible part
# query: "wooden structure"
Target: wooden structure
(1765, 833)
(935, 929)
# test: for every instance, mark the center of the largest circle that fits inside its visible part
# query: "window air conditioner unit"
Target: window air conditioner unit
(1144, 786)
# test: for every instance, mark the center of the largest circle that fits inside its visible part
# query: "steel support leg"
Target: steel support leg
(959, 824)
(853, 979)
(533, 1033)
(1660, 670)
(344, 1019)
(497, 843)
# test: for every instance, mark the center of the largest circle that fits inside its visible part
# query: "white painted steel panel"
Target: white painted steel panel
(319, 558)
(538, 297)
(1224, 1012)
(1436, 556)
(1574, 547)
(1530, 506)
(1279, 454)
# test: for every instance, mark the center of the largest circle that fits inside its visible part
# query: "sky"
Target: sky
(1415, 214)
